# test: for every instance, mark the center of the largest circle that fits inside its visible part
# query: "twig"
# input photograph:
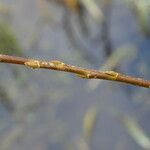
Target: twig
(127, 51)
(81, 72)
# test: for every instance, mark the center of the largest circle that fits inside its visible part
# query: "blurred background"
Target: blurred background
(49, 110)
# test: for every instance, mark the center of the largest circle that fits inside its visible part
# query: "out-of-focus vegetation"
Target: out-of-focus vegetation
(55, 111)
(141, 9)
(8, 40)
(10, 45)
(136, 132)
(89, 122)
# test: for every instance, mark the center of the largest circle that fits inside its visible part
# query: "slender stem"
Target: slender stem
(81, 72)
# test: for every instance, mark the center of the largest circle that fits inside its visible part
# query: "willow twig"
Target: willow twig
(80, 72)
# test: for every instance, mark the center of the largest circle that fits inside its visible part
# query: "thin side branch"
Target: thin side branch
(80, 72)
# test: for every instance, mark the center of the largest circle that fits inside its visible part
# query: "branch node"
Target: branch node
(56, 63)
(112, 75)
(32, 64)
(86, 76)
